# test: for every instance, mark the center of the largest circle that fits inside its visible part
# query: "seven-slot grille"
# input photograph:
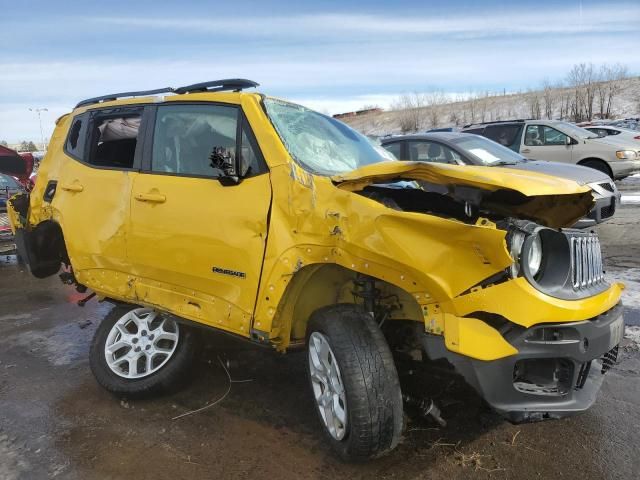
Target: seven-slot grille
(586, 261)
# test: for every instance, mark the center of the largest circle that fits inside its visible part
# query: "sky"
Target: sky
(330, 55)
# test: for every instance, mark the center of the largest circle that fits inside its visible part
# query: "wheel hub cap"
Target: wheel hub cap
(140, 343)
(328, 388)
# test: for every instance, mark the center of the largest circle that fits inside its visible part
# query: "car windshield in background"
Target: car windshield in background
(483, 151)
(8, 182)
(320, 143)
(579, 132)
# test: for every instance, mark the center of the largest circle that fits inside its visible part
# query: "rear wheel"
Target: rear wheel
(354, 382)
(138, 351)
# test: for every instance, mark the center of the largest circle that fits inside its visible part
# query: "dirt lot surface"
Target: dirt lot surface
(55, 421)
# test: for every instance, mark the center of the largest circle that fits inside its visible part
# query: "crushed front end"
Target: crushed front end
(563, 339)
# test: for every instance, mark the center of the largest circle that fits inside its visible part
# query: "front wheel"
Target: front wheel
(138, 351)
(354, 382)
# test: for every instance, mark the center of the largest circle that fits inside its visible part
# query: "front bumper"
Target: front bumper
(557, 371)
(624, 168)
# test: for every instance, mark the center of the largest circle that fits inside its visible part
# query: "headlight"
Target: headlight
(626, 154)
(534, 255)
(531, 255)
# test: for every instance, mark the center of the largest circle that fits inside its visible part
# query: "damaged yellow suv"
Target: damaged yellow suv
(211, 205)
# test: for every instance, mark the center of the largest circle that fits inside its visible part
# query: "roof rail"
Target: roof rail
(518, 120)
(235, 84)
(115, 96)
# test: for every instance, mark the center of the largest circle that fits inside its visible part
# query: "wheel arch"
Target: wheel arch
(583, 162)
(319, 285)
(45, 248)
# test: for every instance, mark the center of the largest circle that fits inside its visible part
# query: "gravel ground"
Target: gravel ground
(55, 421)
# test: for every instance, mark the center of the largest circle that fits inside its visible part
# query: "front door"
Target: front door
(542, 142)
(197, 246)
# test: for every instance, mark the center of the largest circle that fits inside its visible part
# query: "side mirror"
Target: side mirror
(221, 159)
(568, 140)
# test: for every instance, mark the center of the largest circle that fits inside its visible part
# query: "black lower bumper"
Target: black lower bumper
(557, 371)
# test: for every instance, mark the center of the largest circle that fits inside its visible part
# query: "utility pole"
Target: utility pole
(38, 110)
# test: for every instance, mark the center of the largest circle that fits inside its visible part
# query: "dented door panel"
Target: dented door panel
(199, 250)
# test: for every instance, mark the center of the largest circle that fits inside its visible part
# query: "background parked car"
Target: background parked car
(564, 142)
(9, 186)
(617, 132)
(18, 165)
(468, 149)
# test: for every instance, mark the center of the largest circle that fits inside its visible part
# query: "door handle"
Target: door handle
(150, 197)
(74, 187)
(526, 150)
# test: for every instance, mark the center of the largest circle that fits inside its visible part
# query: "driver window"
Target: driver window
(542, 135)
(185, 136)
(432, 152)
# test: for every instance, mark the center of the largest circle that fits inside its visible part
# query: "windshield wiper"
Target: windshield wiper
(504, 162)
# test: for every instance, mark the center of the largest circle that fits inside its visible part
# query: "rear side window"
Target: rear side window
(187, 137)
(477, 131)
(113, 139)
(503, 134)
(76, 139)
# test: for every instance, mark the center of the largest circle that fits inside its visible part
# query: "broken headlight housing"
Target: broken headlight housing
(564, 264)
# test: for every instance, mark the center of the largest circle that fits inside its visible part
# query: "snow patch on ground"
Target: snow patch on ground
(633, 335)
(630, 199)
(631, 279)
(59, 346)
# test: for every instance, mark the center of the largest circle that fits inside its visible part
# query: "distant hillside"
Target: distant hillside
(555, 103)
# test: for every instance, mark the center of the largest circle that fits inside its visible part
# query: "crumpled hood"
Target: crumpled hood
(550, 200)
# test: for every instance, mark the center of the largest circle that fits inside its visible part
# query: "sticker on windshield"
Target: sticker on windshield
(483, 155)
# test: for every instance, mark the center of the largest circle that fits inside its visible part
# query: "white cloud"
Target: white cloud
(331, 62)
(558, 20)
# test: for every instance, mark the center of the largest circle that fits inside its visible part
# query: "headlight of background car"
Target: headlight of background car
(626, 154)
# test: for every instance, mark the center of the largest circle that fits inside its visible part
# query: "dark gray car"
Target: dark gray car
(468, 149)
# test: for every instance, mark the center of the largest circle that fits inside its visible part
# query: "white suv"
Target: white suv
(563, 142)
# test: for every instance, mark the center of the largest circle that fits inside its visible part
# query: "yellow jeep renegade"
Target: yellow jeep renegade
(262, 218)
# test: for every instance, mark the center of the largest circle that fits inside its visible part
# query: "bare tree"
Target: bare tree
(533, 103)
(582, 78)
(549, 99)
(434, 101)
(610, 85)
(410, 107)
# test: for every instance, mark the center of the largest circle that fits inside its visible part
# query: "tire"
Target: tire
(598, 165)
(167, 370)
(364, 365)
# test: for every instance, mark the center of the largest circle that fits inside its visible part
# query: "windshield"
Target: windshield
(483, 151)
(320, 143)
(576, 131)
(8, 182)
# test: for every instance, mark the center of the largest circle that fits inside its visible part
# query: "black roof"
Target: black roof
(515, 120)
(235, 84)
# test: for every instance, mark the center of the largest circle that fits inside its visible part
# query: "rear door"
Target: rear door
(92, 190)
(542, 142)
(196, 246)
